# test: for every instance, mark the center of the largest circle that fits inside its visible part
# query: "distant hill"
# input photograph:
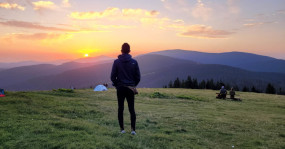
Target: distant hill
(16, 75)
(101, 59)
(170, 68)
(78, 78)
(98, 59)
(157, 70)
(18, 64)
(30, 63)
(242, 60)
(24, 73)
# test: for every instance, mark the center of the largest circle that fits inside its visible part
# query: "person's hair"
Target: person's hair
(125, 48)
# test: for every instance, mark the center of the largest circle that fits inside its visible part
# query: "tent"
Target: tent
(2, 93)
(100, 88)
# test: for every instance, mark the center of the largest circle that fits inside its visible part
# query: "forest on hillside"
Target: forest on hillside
(193, 83)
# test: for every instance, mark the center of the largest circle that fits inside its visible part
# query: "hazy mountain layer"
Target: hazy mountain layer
(156, 71)
(242, 60)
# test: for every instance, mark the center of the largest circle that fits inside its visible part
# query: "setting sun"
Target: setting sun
(86, 55)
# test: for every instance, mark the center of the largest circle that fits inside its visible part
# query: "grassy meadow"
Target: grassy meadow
(166, 118)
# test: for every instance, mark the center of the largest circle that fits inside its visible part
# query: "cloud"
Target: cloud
(152, 18)
(113, 26)
(114, 13)
(233, 6)
(203, 31)
(179, 21)
(139, 13)
(12, 6)
(30, 25)
(43, 5)
(174, 6)
(201, 11)
(258, 23)
(282, 12)
(93, 15)
(66, 3)
(39, 36)
(253, 24)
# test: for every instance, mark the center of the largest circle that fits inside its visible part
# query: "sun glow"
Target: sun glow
(86, 55)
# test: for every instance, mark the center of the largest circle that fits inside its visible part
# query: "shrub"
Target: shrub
(158, 95)
(64, 90)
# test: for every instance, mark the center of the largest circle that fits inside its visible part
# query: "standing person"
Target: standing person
(126, 74)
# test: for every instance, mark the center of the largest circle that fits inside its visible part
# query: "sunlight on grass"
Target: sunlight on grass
(166, 118)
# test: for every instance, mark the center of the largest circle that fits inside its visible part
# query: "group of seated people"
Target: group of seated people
(223, 94)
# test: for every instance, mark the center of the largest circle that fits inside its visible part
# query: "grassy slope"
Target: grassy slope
(87, 119)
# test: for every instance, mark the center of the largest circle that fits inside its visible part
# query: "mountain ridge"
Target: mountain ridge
(248, 61)
(156, 71)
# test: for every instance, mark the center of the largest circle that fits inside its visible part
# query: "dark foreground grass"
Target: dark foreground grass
(166, 118)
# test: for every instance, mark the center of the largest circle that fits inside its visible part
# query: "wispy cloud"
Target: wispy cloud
(43, 5)
(12, 6)
(66, 3)
(152, 18)
(203, 31)
(176, 5)
(255, 24)
(252, 24)
(282, 12)
(139, 13)
(201, 11)
(30, 25)
(112, 26)
(93, 15)
(38, 36)
(233, 6)
(114, 13)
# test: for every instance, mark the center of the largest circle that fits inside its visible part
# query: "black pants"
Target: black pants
(122, 93)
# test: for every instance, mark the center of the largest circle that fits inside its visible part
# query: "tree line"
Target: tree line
(193, 83)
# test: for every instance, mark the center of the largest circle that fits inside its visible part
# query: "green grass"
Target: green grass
(166, 118)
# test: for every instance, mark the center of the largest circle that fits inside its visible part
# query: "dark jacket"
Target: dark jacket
(223, 91)
(125, 71)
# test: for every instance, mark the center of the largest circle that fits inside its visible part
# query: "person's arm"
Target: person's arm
(114, 74)
(137, 75)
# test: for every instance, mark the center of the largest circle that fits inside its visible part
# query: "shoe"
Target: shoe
(133, 133)
(123, 131)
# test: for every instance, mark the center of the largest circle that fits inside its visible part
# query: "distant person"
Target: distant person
(232, 93)
(125, 76)
(222, 94)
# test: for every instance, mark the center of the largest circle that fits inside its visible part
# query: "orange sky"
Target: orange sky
(68, 29)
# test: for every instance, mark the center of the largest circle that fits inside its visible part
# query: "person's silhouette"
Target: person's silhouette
(125, 74)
